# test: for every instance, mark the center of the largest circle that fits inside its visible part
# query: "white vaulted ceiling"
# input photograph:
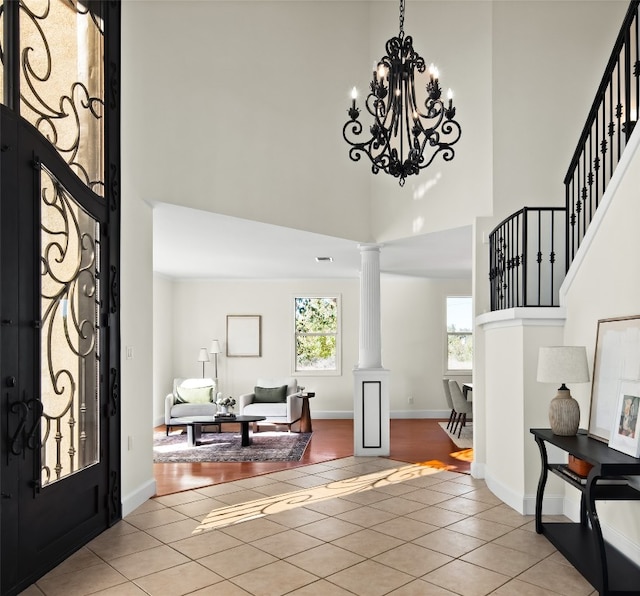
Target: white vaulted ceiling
(194, 244)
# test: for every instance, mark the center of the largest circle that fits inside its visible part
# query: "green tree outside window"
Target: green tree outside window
(459, 333)
(316, 328)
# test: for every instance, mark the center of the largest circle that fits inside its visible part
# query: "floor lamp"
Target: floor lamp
(215, 350)
(203, 357)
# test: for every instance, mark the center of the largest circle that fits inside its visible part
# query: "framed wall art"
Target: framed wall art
(616, 371)
(244, 336)
(625, 435)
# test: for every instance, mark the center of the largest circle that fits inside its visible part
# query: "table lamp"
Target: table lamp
(203, 357)
(563, 364)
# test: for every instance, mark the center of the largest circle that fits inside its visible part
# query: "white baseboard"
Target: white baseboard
(413, 414)
(551, 505)
(622, 543)
(477, 470)
(524, 504)
(337, 414)
(139, 496)
(348, 415)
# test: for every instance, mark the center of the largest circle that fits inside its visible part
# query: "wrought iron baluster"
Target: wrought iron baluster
(608, 126)
(552, 260)
(521, 259)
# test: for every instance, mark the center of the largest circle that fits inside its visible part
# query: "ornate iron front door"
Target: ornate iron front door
(59, 224)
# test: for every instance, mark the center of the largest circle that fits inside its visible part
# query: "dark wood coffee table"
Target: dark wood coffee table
(194, 426)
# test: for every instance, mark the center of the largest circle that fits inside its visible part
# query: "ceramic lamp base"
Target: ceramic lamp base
(564, 414)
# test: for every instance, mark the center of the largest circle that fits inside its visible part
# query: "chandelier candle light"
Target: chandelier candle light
(405, 138)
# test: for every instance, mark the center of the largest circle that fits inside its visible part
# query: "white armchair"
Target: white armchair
(275, 399)
(189, 398)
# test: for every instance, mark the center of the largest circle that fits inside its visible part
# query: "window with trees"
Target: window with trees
(317, 335)
(459, 333)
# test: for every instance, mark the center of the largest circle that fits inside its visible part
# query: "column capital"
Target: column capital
(370, 247)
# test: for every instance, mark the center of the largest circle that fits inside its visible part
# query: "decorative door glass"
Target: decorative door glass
(69, 346)
(62, 80)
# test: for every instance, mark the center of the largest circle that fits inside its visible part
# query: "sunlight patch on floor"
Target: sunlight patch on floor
(234, 514)
(463, 455)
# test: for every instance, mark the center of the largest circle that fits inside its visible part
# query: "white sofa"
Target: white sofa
(189, 398)
(276, 399)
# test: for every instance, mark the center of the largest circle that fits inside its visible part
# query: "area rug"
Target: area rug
(225, 447)
(466, 436)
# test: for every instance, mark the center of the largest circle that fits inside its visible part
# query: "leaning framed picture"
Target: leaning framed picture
(616, 364)
(244, 335)
(625, 434)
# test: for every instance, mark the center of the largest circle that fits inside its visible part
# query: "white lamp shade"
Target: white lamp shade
(203, 355)
(215, 347)
(563, 364)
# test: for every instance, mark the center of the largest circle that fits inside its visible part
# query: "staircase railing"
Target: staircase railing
(531, 251)
(527, 256)
(609, 125)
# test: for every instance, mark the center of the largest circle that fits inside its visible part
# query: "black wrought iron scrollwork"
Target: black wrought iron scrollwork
(115, 291)
(70, 331)
(16, 443)
(114, 392)
(68, 112)
(114, 186)
(115, 506)
(33, 435)
(24, 436)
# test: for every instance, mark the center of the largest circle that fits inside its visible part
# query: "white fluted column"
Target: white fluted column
(371, 415)
(370, 349)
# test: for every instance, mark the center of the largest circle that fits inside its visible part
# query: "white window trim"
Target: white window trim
(461, 372)
(317, 373)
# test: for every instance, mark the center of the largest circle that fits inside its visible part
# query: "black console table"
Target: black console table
(603, 566)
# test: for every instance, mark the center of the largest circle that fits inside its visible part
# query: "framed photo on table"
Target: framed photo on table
(625, 434)
(616, 371)
(244, 335)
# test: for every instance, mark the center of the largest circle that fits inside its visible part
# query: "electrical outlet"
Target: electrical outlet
(411, 399)
(129, 353)
(130, 443)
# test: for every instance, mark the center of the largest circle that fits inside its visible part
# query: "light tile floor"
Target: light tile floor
(435, 535)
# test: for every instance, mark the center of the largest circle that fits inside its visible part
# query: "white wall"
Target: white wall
(548, 59)
(607, 285)
(413, 319)
(136, 294)
(213, 120)
(456, 36)
(162, 343)
(240, 109)
(240, 106)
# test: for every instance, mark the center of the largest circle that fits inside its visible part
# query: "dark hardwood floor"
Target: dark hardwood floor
(412, 441)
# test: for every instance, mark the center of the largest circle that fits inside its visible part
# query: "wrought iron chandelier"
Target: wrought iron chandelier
(405, 138)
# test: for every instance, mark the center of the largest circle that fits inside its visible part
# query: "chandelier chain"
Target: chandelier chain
(401, 19)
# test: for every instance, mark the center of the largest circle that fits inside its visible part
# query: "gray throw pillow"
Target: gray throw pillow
(270, 394)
